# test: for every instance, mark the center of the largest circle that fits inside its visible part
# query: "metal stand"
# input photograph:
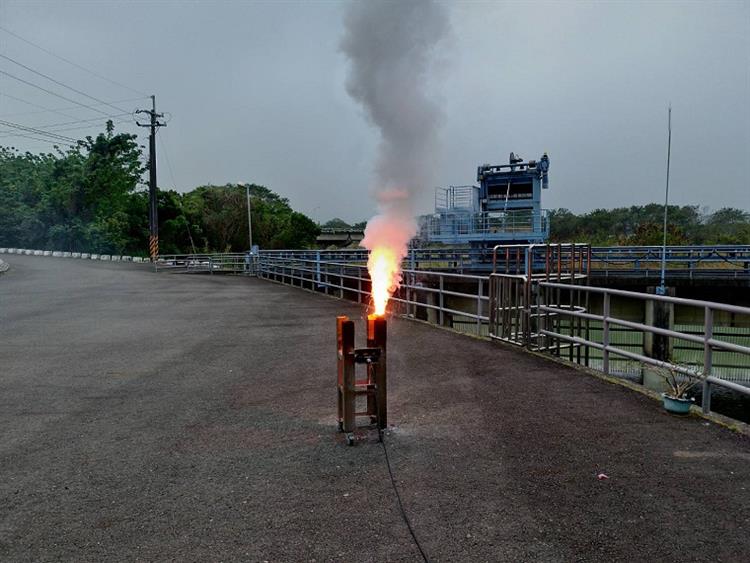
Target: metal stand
(373, 386)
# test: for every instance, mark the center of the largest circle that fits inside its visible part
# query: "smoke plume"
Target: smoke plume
(390, 47)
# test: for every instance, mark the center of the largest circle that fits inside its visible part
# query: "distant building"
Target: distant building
(339, 237)
(504, 208)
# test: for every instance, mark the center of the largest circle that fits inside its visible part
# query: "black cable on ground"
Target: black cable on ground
(401, 504)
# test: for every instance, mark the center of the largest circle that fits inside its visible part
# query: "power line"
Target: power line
(160, 137)
(54, 93)
(59, 112)
(163, 142)
(48, 141)
(50, 126)
(89, 126)
(37, 131)
(77, 121)
(7, 58)
(54, 110)
(93, 73)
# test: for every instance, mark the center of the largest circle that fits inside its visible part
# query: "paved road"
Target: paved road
(191, 418)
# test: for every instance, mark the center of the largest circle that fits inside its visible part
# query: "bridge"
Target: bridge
(193, 418)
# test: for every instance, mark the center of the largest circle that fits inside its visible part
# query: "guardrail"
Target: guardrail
(78, 255)
(683, 262)
(550, 316)
(707, 339)
(514, 308)
(233, 263)
(644, 262)
(453, 225)
(420, 289)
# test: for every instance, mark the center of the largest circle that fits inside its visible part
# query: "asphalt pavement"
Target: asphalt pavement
(167, 417)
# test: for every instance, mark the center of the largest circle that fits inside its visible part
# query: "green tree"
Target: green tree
(336, 223)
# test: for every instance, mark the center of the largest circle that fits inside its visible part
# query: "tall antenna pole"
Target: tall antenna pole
(662, 289)
(249, 219)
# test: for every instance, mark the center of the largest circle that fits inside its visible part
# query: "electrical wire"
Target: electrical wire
(32, 104)
(6, 134)
(401, 504)
(15, 62)
(77, 121)
(83, 68)
(44, 109)
(54, 93)
(36, 131)
(160, 138)
(49, 141)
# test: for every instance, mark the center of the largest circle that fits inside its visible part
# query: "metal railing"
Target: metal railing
(549, 311)
(706, 339)
(635, 262)
(430, 295)
(232, 263)
(683, 262)
(555, 317)
(448, 226)
(513, 268)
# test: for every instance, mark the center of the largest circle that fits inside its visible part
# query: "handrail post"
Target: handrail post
(479, 307)
(442, 304)
(605, 334)
(317, 267)
(341, 281)
(707, 358)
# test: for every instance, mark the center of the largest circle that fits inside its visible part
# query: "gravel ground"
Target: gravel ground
(192, 418)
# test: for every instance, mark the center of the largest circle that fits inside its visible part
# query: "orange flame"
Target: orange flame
(384, 265)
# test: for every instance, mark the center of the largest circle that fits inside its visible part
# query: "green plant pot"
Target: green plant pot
(676, 406)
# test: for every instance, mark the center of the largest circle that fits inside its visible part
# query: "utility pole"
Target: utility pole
(153, 210)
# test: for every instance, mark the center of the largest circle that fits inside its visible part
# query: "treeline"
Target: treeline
(337, 223)
(90, 198)
(642, 225)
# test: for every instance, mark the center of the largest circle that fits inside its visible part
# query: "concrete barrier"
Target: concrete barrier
(80, 255)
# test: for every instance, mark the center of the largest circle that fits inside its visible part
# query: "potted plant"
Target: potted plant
(680, 380)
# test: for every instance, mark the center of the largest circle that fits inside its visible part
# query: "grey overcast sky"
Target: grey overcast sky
(256, 93)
